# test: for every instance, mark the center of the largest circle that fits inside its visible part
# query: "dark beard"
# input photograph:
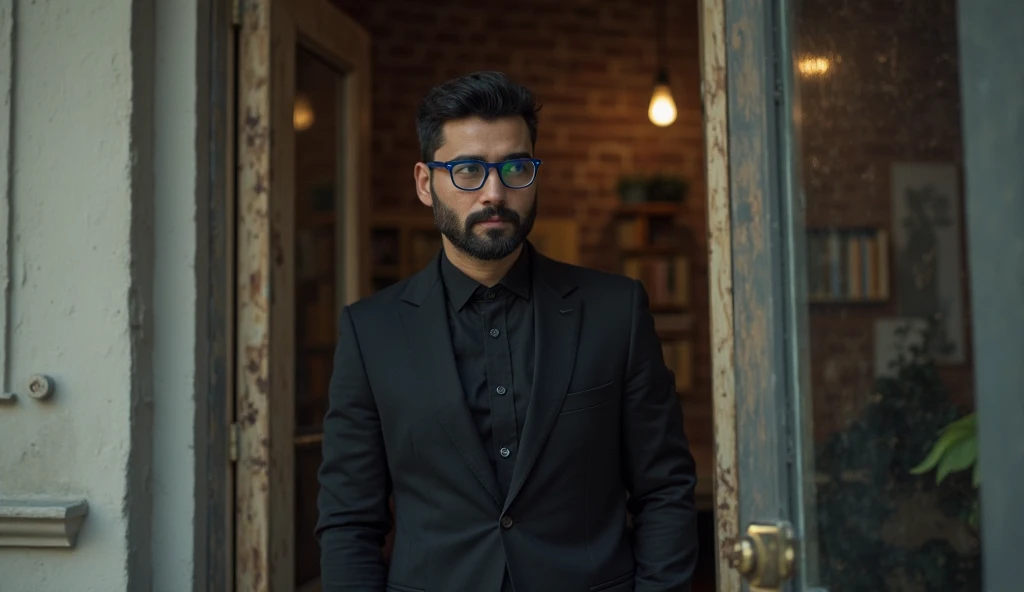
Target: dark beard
(493, 245)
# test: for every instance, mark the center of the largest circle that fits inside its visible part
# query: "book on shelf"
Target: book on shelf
(314, 377)
(318, 312)
(679, 359)
(673, 322)
(666, 279)
(847, 265)
(631, 234)
(658, 230)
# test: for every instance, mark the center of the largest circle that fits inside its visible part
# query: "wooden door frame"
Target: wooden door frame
(214, 519)
(716, 160)
(269, 31)
(749, 363)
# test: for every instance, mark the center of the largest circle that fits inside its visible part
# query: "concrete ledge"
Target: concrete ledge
(41, 522)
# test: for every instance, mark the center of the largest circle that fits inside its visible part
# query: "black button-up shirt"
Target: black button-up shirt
(492, 338)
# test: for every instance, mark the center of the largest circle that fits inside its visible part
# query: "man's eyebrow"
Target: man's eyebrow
(509, 156)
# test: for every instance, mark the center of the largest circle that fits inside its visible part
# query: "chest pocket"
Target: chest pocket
(588, 398)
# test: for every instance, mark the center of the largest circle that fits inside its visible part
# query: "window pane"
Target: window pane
(884, 295)
(317, 125)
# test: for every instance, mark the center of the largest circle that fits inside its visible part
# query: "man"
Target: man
(516, 407)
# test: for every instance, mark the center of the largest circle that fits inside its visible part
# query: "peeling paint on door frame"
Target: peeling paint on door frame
(716, 142)
(253, 299)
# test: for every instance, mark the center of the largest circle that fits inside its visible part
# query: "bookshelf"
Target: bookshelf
(318, 287)
(400, 245)
(655, 248)
(847, 265)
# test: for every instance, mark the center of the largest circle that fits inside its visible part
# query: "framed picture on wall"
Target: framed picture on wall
(926, 221)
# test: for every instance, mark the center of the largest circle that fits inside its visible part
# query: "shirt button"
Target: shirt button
(490, 295)
(506, 522)
(495, 332)
(504, 452)
(500, 390)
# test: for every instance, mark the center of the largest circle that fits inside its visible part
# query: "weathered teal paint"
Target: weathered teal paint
(992, 90)
(758, 280)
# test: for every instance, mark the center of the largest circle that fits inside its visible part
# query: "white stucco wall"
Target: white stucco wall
(102, 296)
(71, 206)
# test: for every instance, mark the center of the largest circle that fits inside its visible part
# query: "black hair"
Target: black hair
(488, 94)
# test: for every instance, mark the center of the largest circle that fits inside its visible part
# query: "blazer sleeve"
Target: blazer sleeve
(658, 466)
(354, 480)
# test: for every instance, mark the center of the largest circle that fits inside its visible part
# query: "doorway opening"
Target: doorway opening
(619, 192)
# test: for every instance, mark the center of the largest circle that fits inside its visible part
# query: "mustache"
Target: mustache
(502, 213)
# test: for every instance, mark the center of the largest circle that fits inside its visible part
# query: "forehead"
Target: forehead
(492, 140)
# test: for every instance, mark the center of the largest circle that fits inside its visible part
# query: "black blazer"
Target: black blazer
(604, 424)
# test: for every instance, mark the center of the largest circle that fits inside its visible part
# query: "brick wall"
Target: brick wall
(592, 65)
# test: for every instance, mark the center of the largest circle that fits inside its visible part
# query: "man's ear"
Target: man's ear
(421, 173)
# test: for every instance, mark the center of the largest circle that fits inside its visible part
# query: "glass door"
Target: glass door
(320, 264)
(842, 297)
(878, 295)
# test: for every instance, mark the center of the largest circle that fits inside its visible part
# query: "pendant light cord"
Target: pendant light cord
(660, 41)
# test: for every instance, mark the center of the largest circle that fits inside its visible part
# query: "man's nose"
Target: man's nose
(493, 191)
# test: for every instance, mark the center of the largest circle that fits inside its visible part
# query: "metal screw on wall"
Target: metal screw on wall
(40, 387)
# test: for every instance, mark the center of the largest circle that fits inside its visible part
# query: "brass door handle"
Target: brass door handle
(766, 555)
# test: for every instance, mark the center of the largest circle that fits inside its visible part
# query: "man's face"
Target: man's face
(492, 222)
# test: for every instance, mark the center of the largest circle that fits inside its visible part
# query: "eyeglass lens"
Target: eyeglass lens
(514, 173)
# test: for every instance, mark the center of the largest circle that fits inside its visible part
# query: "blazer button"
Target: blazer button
(506, 522)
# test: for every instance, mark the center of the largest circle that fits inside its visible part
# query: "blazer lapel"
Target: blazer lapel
(558, 312)
(429, 338)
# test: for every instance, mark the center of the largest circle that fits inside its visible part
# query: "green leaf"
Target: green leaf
(969, 421)
(958, 457)
(947, 439)
(976, 476)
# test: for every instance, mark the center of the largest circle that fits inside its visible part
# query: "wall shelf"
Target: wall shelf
(653, 249)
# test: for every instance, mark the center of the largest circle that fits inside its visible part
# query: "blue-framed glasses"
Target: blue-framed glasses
(471, 174)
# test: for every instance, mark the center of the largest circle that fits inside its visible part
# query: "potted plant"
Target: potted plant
(668, 188)
(870, 506)
(956, 449)
(633, 189)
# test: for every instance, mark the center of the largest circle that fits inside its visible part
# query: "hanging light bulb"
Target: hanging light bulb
(662, 111)
(302, 114)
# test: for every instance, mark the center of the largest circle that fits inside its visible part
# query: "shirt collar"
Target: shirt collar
(461, 287)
